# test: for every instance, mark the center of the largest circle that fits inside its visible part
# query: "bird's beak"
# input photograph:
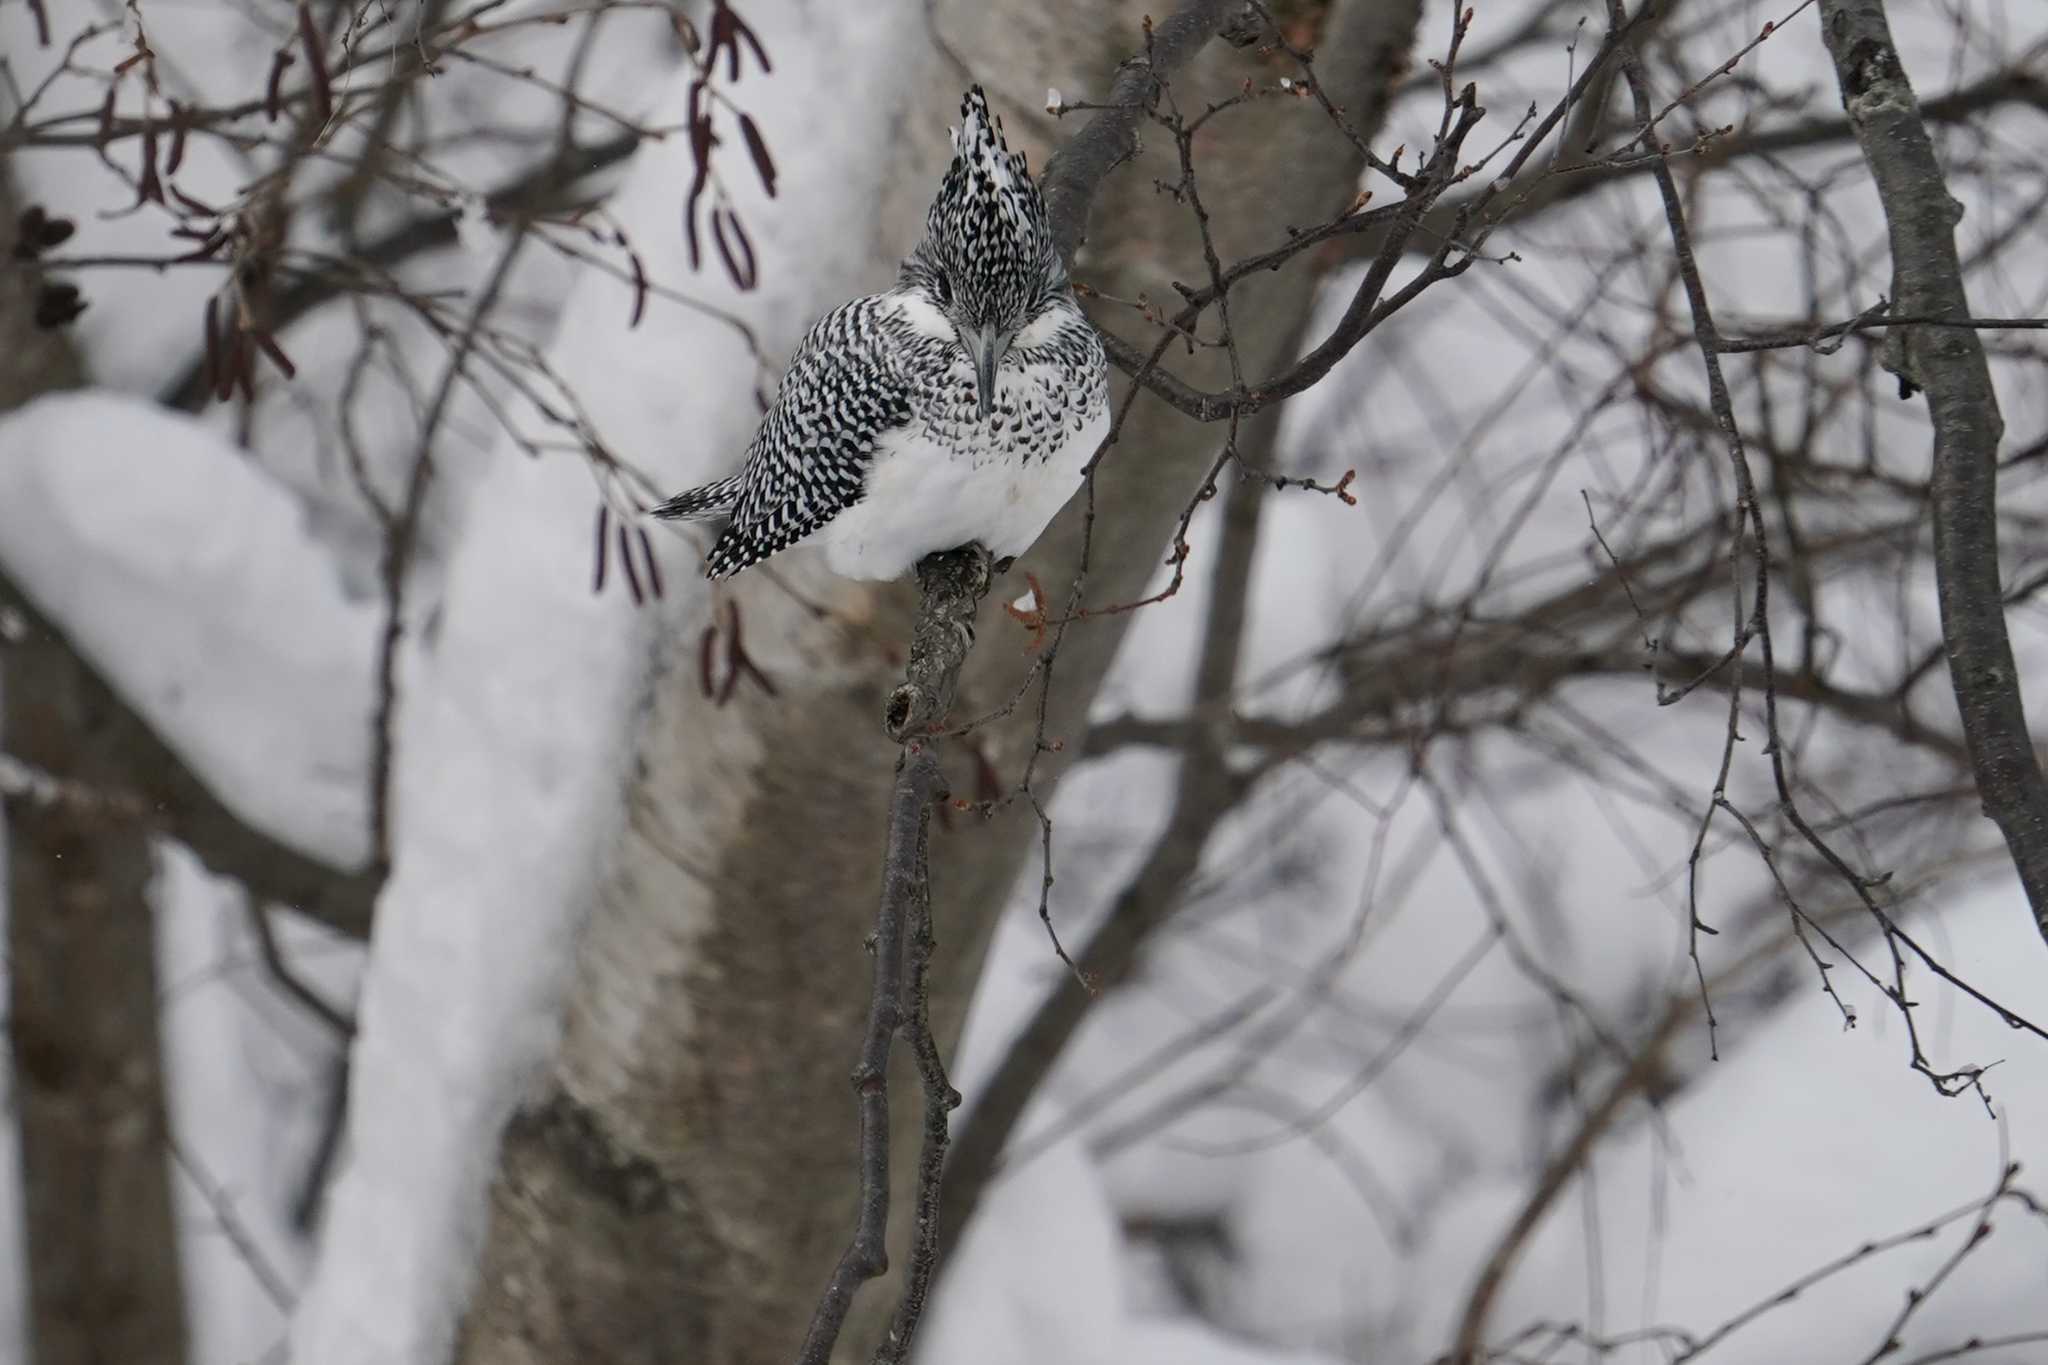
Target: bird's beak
(985, 348)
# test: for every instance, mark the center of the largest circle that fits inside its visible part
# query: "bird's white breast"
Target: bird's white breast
(927, 491)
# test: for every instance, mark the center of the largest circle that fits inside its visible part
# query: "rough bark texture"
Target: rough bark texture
(722, 981)
(954, 585)
(100, 1240)
(1948, 364)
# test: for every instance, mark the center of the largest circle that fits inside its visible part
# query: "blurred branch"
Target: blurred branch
(1459, 669)
(228, 1220)
(288, 979)
(1077, 170)
(1366, 310)
(401, 541)
(1555, 1179)
(345, 202)
(525, 196)
(1542, 1340)
(1578, 178)
(1373, 708)
(1949, 364)
(1206, 791)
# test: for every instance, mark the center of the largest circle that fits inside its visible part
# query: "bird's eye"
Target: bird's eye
(943, 287)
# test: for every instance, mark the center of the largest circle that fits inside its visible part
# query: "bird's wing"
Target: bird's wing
(810, 460)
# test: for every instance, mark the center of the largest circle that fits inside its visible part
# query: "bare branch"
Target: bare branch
(954, 584)
(906, 886)
(1074, 174)
(1949, 364)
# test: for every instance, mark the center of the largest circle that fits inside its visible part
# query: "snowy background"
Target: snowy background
(1341, 1172)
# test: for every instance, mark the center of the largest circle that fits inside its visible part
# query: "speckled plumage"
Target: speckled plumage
(885, 443)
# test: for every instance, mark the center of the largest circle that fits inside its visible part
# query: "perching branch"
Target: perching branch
(1948, 364)
(906, 894)
(940, 1100)
(954, 584)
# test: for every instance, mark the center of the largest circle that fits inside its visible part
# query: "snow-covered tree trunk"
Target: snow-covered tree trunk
(1406, 850)
(684, 1180)
(679, 1186)
(517, 748)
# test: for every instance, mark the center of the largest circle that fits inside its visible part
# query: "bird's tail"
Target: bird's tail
(700, 504)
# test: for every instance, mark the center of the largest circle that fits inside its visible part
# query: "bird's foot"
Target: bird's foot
(1035, 618)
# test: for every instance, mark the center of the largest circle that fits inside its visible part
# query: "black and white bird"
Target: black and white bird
(958, 407)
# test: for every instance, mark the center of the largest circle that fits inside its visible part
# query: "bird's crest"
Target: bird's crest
(988, 222)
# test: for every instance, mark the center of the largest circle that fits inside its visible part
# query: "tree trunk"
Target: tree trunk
(685, 1180)
(100, 1240)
